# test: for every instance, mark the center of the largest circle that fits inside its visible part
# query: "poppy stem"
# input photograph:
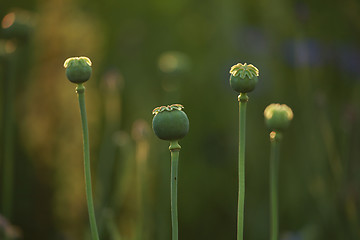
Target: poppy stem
(80, 90)
(274, 170)
(174, 150)
(243, 99)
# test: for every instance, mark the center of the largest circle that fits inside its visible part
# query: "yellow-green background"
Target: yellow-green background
(308, 54)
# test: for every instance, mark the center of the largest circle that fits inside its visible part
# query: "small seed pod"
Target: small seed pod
(170, 122)
(78, 69)
(278, 116)
(243, 77)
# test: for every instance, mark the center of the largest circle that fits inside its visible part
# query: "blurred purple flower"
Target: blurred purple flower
(348, 57)
(304, 52)
(251, 40)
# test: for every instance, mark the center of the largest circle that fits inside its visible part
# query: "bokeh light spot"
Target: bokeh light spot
(10, 47)
(8, 20)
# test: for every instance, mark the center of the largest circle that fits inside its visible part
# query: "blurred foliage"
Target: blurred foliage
(151, 53)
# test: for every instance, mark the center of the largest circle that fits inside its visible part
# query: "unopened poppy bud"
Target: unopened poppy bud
(170, 122)
(78, 69)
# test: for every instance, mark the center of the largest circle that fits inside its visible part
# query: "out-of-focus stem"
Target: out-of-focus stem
(274, 169)
(8, 140)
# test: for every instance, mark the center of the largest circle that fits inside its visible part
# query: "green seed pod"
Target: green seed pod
(278, 116)
(78, 69)
(170, 122)
(243, 77)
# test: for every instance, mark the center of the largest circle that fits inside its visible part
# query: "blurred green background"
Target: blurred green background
(151, 53)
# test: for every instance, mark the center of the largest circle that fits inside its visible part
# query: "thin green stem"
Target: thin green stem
(274, 169)
(80, 89)
(8, 144)
(174, 149)
(141, 159)
(243, 99)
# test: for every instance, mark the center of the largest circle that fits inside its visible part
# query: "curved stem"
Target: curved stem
(174, 149)
(274, 169)
(243, 98)
(80, 89)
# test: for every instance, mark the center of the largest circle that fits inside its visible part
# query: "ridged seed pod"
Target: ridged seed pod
(244, 77)
(278, 116)
(78, 69)
(170, 122)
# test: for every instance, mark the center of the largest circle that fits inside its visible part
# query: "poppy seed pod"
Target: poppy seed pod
(278, 116)
(170, 122)
(78, 69)
(243, 77)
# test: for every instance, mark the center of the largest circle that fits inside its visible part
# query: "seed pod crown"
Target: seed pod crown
(78, 69)
(243, 77)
